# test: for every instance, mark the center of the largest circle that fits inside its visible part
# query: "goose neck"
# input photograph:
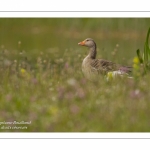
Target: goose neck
(92, 52)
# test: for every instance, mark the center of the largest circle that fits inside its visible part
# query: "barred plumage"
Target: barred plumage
(92, 67)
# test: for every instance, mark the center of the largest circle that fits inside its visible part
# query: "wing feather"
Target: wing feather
(102, 65)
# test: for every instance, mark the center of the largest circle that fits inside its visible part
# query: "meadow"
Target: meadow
(41, 80)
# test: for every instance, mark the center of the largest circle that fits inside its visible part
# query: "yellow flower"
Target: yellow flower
(22, 70)
(135, 66)
(24, 73)
(110, 75)
(136, 60)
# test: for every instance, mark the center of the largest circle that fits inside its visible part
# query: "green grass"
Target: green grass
(144, 60)
(42, 82)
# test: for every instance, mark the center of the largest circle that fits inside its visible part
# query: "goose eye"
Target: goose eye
(87, 40)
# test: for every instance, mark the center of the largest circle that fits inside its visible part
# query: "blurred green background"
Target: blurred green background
(38, 34)
(42, 82)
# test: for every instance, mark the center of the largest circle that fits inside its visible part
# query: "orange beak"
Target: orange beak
(81, 43)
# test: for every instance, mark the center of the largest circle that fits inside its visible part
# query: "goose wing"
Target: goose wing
(102, 65)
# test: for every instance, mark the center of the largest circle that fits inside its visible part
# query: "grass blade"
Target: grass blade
(145, 54)
(147, 42)
(139, 56)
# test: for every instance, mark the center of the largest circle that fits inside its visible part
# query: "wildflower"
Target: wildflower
(24, 73)
(71, 81)
(136, 63)
(15, 61)
(136, 94)
(136, 66)
(136, 60)
(74, 109)
(113, 74)
(109, 76)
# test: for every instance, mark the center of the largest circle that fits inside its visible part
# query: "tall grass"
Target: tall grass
(42, 82)
(145, 58)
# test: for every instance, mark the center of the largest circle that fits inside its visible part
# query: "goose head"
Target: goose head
(88, 43)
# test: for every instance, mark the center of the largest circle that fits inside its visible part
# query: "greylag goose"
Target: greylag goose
(92, 67)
